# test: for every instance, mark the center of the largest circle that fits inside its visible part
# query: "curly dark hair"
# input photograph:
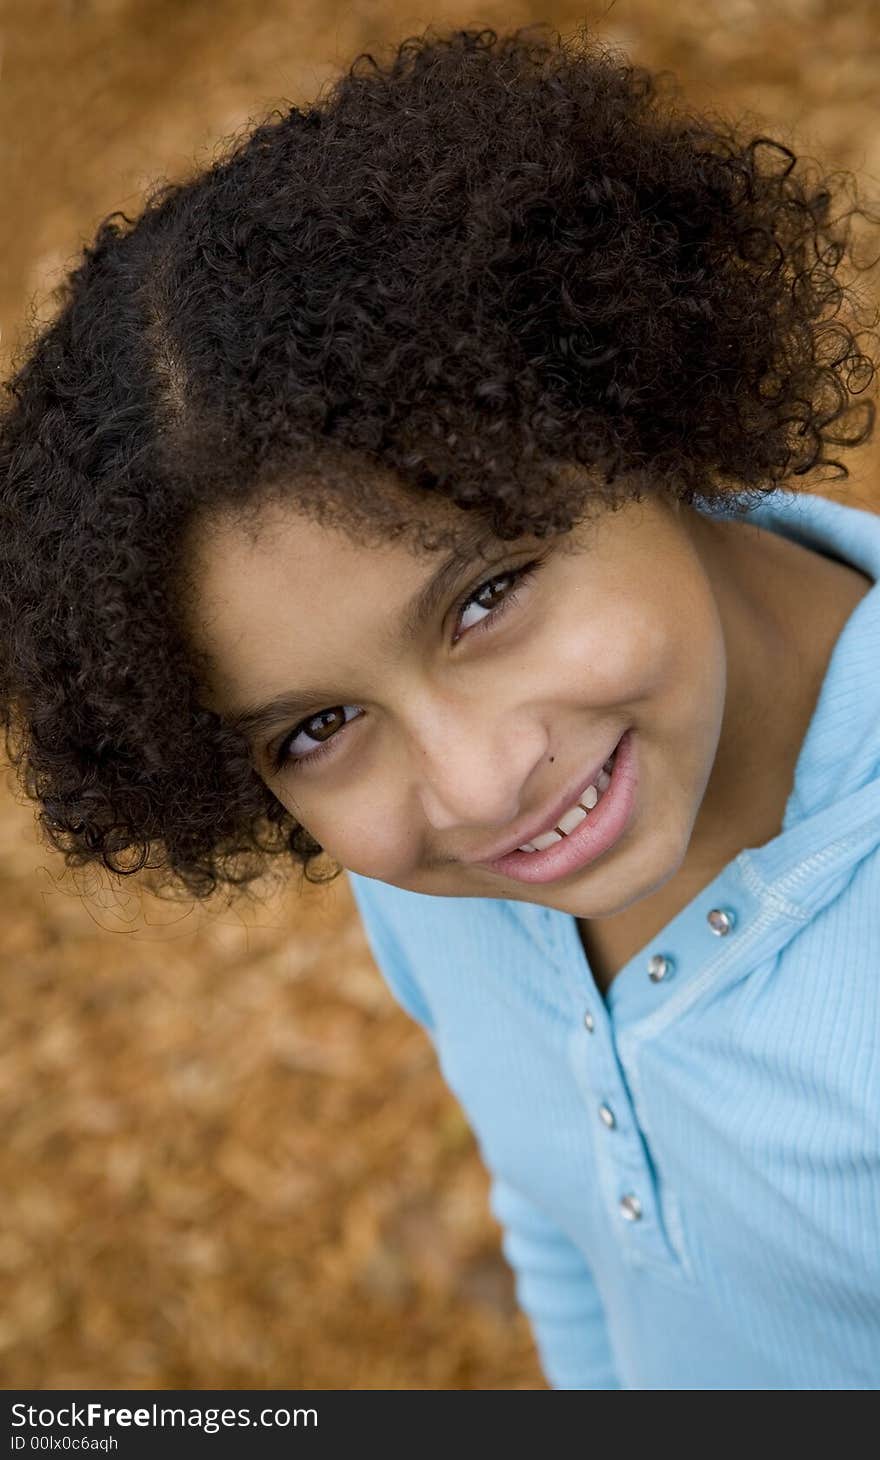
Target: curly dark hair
(468, 270)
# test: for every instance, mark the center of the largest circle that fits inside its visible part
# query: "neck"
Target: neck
(773, 602)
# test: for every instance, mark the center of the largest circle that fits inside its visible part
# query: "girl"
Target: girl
(406, 487)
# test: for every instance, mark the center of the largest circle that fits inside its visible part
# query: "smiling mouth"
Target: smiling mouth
(595, 832)
(582, 808)
(550, 827)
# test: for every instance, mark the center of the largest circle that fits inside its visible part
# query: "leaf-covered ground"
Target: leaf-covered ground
(229, 1159)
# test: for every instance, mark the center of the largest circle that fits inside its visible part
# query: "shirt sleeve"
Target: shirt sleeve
(553, 1282)
(557, 1293)
(388, 954)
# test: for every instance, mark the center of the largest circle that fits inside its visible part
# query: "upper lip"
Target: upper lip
(548, 818)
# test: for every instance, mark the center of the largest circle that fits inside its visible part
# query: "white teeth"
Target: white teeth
(566, 823)
(546, 840)
(576, 814)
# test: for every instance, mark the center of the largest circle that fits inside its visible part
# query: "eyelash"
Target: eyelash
(519, 576)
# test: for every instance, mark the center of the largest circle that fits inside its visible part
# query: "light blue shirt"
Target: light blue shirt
(724, 1231)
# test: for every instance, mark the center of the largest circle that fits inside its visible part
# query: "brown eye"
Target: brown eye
(330, 721)
(512, 577)
(334, 717)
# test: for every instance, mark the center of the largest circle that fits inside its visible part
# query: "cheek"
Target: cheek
(680, 667)
(363, 837)
(624, 656)
(658, 661)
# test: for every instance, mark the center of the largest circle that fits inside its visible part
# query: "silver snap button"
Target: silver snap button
(630, 1207)
(721, 920)
(606, 1115)
(660, 967)
(589, 1021)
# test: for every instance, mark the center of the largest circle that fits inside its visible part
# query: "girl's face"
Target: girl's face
(413, 746)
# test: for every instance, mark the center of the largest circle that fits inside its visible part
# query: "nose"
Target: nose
(471, 781)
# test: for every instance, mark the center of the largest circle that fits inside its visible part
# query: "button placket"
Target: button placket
(626, 1178)
(621, 1167)
(720, 920)
(661, 966)
(627, 1181)
(598, 1074)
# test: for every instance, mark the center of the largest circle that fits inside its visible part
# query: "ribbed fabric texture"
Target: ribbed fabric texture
(724, 1232)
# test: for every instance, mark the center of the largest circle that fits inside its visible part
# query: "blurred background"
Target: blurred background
(229, 1159)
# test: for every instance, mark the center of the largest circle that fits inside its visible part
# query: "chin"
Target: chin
(653, 863)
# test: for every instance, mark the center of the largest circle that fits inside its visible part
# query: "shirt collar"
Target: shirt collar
(840, 752)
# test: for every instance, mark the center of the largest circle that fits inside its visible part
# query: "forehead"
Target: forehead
(237, 561)
(276, 592)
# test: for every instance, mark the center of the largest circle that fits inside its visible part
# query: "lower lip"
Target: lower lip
(596, 834)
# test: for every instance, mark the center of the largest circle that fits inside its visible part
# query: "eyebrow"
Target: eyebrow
(252, 720)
